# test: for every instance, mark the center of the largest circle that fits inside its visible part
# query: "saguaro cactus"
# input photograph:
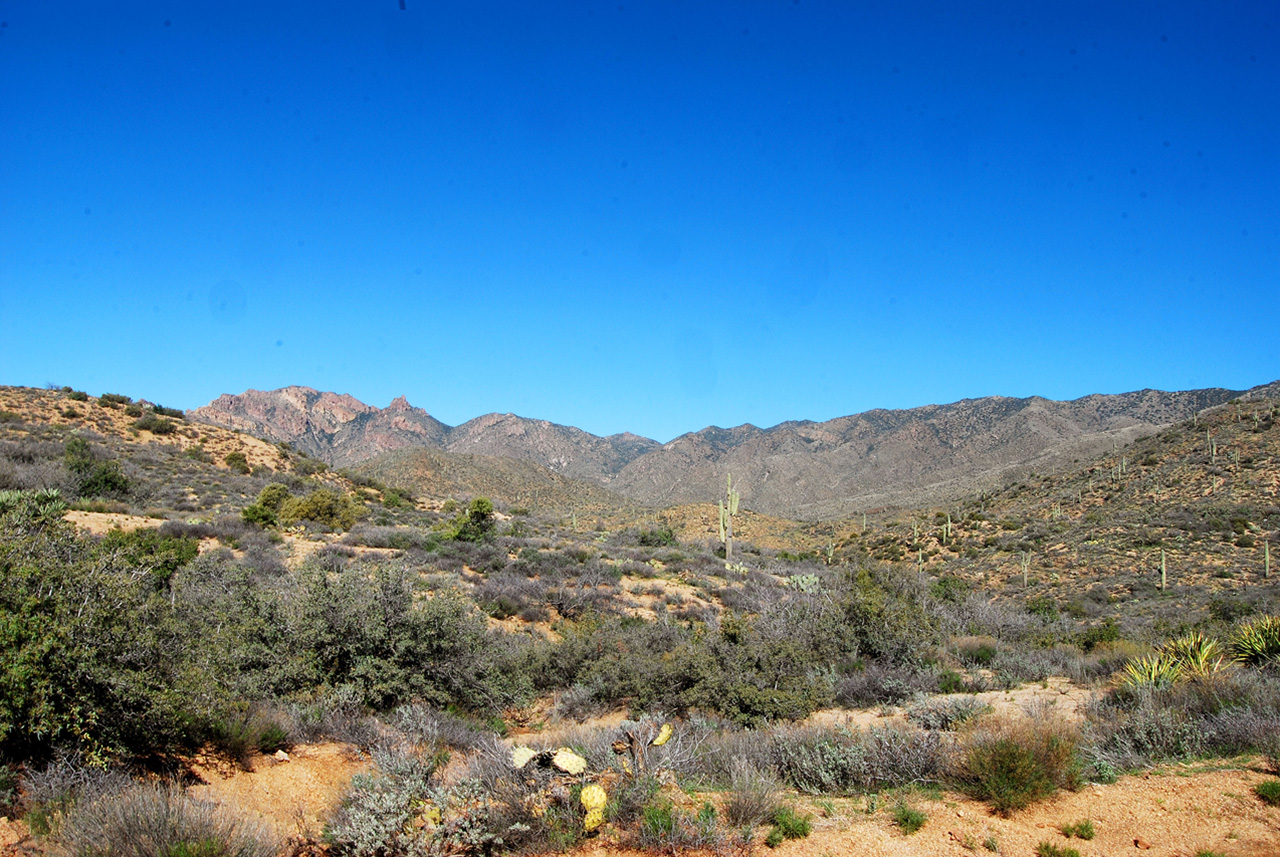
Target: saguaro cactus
(728, 508)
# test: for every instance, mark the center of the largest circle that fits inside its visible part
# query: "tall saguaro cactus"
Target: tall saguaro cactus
(728, 508)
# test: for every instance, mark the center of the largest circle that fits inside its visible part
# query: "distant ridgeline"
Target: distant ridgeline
(799, 469)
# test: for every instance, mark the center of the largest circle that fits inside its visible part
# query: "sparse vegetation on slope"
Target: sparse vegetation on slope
(245, 611)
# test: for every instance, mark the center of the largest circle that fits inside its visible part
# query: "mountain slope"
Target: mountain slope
(879, 458)
(343, 431)
(508, 481)
(803, 469)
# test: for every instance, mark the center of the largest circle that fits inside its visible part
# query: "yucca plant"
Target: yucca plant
(1196, 654)
(1258, 642)
(1159, 670)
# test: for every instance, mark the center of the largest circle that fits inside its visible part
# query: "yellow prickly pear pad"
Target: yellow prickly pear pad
(569, 761)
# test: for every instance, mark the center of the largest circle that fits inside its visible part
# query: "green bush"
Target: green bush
(1082, 829)
(90, 652)
(791, 824)
(237, 462)
(908, 820)
(155, 424)
(1268, 791)
(95, 477)
(476, 524)
(1012, 764)
(304, 466)
(662, 536)
(78, 395)
(115, 399)
(1048, 849)
(146, 549)
(322, 506)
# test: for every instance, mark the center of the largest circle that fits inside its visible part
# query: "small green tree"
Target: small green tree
(476, 524)
(265, 512)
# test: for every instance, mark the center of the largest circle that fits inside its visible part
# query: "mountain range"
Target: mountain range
(800, 469)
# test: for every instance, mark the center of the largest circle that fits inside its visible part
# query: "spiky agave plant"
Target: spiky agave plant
(1196, 654)
(1159, 670)
(1258, 642)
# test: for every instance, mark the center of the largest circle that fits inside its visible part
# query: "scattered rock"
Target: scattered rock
(281, 756)
(1139, 842)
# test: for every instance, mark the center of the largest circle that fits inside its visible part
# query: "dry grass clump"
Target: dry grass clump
(1012, 763)
(155, 819)
(752, 796)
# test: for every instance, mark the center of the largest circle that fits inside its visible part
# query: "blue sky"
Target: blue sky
(640, 216)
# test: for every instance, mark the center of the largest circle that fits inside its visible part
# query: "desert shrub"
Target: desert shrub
(89, 651)
(908, 820)
(159, 554)
(169, 822)
(399, 538)
(1082, 829)
(1268, 791)
(791, 824)
(946, 713)
(322, 506)
(115, 399)
(78, 395)
(304, 465)
(155, 424)
(363, 627)
(664, 827)
(237, 462)
(176, 413)
(766, 668)
(1014, 667)
(878, 683)
(1048, 849)
(1014, 763)
(504, 594)
(337, 715)
(94, 475)
(839, 760)
(241, 729)
(662, 536)
(1143, 729)
(50, 790)
(265, 510)
(887, 612)
(376, 816)
(429, 727)
(977, 651)
(752, 796)
(8, 787)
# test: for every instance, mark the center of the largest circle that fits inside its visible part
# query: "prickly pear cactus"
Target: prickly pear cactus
(594, 800)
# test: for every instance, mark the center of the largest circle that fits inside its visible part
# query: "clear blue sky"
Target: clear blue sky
(640, 216)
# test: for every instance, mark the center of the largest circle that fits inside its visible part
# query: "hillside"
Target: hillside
(1203, 494)
(805, 470)
(510, 482)
(170, 617)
